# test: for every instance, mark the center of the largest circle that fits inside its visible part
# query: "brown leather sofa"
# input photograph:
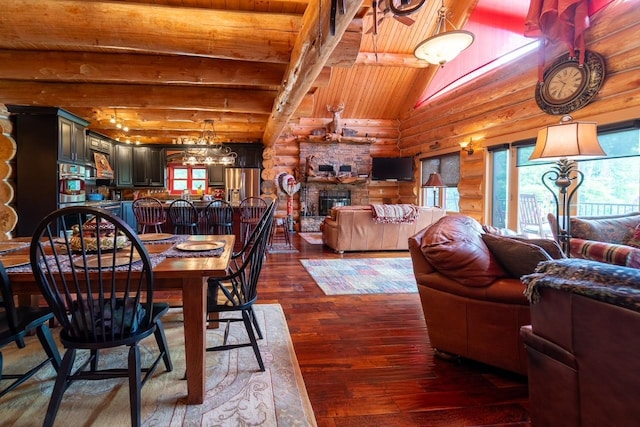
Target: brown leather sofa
(352, 228)
(583, 344)
(473, 307)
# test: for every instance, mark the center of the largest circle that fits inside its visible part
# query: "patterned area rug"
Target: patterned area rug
(362, 276)
(312, 238)
(281, 248)
(237, 393)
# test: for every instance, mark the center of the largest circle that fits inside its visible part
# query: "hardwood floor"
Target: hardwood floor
(366, 359)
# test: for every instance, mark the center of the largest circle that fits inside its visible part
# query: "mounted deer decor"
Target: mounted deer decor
(335, 132)
(335, 126)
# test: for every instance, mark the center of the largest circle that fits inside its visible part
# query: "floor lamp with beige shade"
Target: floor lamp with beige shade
(565, 143)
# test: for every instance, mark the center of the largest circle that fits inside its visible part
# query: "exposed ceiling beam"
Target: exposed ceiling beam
(136, 96)
(136, 68)
(99, 26)
(312, 49)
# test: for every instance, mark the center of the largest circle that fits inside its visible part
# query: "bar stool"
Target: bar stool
(251, 210)
(184, 217)
(219, 217)
(280, 224)
(149, 212)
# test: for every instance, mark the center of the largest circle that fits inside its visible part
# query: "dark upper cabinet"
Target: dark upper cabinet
(149, 166)
(216, 175)
(99, 143)
(124, 165)
(249, 155)
(39, 133)
(72, 141)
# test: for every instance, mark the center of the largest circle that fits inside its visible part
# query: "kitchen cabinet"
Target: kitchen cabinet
(124, 165)
(99, 143)
(216, 175)
(39, 133)
(127, 214)
(72, 141)
(149, 165)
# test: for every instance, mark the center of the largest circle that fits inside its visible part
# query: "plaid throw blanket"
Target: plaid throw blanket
(397, 214)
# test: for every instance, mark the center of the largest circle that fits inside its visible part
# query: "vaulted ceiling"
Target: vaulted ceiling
(256, 68)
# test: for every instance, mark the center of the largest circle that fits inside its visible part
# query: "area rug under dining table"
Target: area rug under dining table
(237, 393)
(342, 276)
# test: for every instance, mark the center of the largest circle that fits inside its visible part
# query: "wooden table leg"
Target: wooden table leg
(194, 309)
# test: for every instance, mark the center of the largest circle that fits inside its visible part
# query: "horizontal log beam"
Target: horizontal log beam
(66, 66)
(144, 27)
(149, 96)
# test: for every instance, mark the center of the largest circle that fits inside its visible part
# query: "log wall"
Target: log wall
(500, 107)
(8, 215)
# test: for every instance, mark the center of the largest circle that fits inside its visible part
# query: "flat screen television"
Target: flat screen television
(392, 168)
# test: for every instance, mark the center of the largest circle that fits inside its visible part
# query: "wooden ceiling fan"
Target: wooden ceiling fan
(399, 9)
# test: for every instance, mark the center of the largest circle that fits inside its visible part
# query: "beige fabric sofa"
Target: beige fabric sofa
(352, 228)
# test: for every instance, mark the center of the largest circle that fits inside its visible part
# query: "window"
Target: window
(499, 163)
(448, 166)
(184, 177)
(611, 184)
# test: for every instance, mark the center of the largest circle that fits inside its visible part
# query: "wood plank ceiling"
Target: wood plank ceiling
(256, 68)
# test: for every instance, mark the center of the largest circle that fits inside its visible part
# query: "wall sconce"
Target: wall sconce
(467, 146)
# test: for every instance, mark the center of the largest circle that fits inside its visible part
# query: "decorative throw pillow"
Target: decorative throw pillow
(634, 240)
(518, 257)
(551, 247)
(454, 247)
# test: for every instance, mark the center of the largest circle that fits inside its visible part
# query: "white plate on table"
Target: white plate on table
(152, 237)
(199, 246)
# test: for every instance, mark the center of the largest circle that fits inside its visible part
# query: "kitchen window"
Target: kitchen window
(192, 178)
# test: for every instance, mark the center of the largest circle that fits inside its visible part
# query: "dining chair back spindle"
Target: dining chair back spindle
(238, 291)
(251, 209)
(15, 324)
(219, 217)
(149, 213)
(99, 285)
(184, 217)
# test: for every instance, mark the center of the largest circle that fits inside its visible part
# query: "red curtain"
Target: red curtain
(562, 21)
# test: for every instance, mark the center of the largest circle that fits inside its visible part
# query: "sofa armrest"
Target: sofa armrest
(610, 253)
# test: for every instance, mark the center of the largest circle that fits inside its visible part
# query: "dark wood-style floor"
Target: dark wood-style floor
(366, 359)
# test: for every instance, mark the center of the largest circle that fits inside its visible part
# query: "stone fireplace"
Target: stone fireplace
(323, 191)
(330, 198)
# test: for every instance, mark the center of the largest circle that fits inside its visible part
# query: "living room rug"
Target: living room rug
(281, 248)
(237, 393)
(362, 276)
(314, 238)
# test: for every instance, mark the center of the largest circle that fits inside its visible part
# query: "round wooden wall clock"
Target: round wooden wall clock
(567, 86)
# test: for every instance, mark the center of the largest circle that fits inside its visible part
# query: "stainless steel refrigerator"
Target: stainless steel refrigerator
(240, 183)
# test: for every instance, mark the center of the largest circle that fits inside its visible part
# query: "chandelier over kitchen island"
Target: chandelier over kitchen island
(209, 150)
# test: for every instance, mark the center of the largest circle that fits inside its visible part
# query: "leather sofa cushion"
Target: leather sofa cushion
(454, 246)
(517, 257)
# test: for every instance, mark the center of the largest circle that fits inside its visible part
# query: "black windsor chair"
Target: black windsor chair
(102, 298)
(219, 217)
(15, 323)
(184, 217)
(237, 291)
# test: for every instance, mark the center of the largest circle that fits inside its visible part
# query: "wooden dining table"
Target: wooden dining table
(187, 274)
